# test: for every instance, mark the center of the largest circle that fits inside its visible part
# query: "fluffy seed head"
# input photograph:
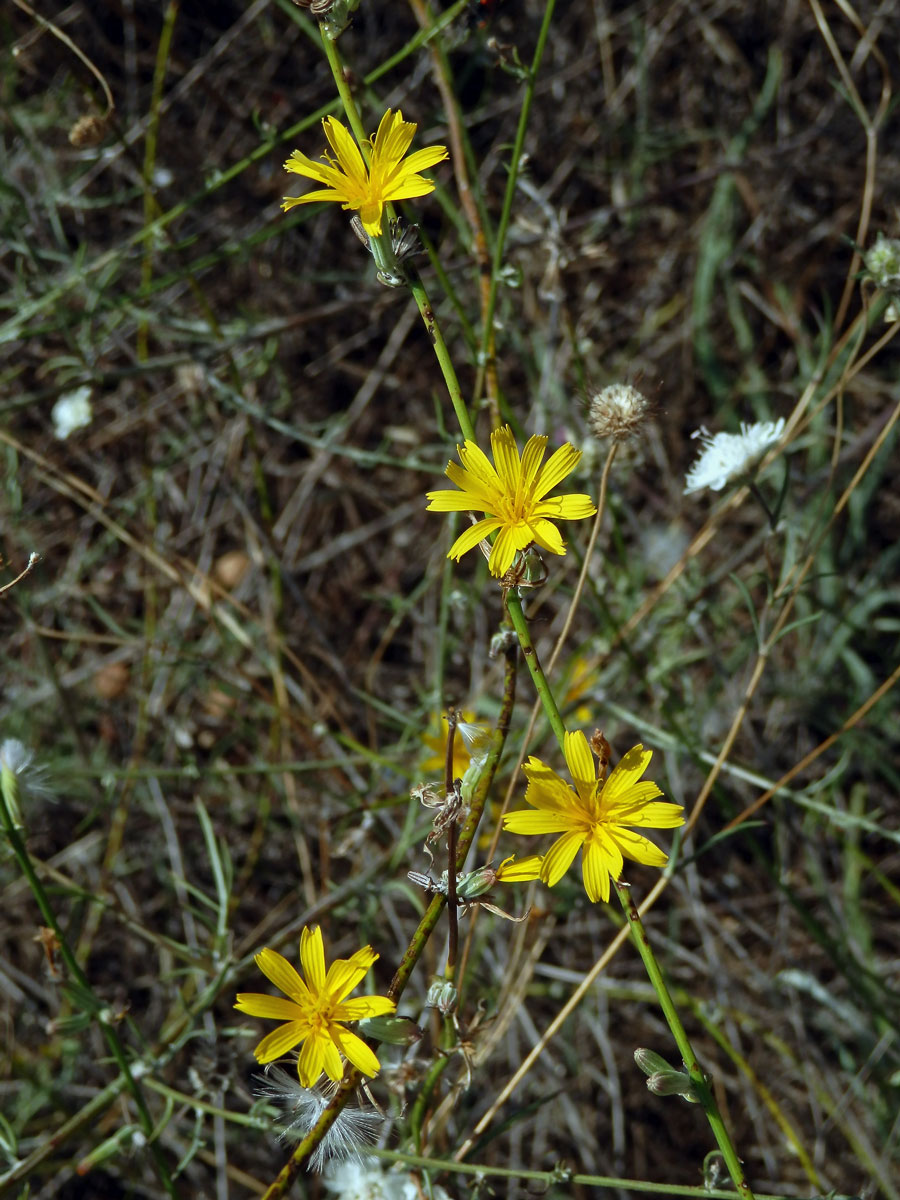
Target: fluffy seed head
(618, 412)
(348, 1138)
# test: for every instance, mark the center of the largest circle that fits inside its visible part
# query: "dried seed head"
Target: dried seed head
(618, 412)
(89, 130)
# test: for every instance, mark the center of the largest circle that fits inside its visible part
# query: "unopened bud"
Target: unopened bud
(663, 1079)
(442, 995)
(475, 883)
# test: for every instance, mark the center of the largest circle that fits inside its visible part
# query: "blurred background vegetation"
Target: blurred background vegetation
(243, 623)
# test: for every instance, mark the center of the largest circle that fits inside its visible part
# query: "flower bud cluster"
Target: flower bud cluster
(882, 263)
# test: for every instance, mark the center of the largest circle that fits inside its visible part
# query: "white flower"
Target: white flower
(354, 1130)
(72, 411)
(725, 456)
(367, 1180)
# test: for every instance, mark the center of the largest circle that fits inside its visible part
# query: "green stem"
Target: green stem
(520, 624)
(452, 914)
(512, 179)
(441, 352)
(417, 288)
(112, 1038)
(347, 100)
(638, 933)
(692, 1066)
(351, 1080)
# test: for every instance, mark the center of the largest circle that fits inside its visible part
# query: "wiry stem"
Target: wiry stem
(426, 927)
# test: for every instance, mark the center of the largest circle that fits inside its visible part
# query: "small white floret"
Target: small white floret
(72, 411)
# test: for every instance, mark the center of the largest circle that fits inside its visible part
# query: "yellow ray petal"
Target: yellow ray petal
(279, 971)
(279, 1041)
(474, 460)
(365, 1006)
(345, 973)
(605, 844)
(560, 856)
(255, 1004)
(627, 772)
(655, 816)
(525, 821)
(550, 794)
(506, 459)
(470, 538)
(572, 507)
(311, 1059)
(637, 848)
(504, 550)
(532, 457)
(562, 462)
(361, 1055)
(547, 536)
(312, 958)
(595, 869)
(581, 766)
(347, 152)
(429, 156)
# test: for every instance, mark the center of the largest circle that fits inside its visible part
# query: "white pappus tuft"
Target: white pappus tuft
(21, 777)
(348, 1138)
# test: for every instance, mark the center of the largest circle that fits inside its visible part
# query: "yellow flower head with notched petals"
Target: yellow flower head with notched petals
(513, 496)
(391, 176)
(315, 1009)
(598, 816)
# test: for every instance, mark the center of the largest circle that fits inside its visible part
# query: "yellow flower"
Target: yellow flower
(596, 816)
(513, 496)
(367, 189)
(581, 678)
(315, 1010)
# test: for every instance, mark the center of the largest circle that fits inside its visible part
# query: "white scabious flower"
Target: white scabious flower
(725, 456)
(352, 1133)
(367, 1180)
(72, 411)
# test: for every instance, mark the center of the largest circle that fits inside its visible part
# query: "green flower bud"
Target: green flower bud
(442, 995)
